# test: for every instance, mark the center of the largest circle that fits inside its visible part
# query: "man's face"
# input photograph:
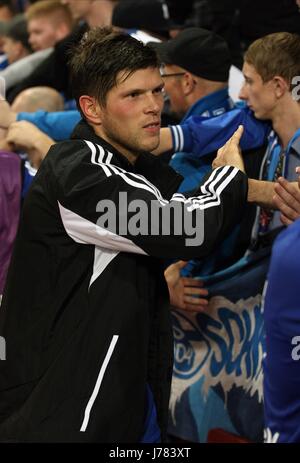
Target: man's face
(259, 95)
(42, 33)
(79, 8)
(5, 13)
(130, 121)
(11, 49)
(172, 77)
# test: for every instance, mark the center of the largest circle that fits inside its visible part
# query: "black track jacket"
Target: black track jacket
(85, 310)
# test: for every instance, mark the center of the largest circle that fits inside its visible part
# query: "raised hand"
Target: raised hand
(230, 154)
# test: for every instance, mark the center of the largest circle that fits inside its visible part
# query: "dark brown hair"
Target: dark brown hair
(100, 57)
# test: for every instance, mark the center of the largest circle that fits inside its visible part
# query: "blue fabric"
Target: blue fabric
(57, 125)
(192, 166)
(204, 135)
(151, 433)
(218, 354)
(212, 105)
(282, 324)
(208, 135)
(274, 151)
(217, 377)
(290, 161)
(208, 107)
(3, 62)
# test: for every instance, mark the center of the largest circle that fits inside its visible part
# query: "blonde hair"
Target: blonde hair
(275, 54)
(53, 8)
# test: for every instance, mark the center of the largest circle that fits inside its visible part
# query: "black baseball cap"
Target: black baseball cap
(199, 51)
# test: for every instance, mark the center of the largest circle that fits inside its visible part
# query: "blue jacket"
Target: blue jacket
(197, 137)
(57, 125)
(187, 163)
(205, 128)
(282, 324)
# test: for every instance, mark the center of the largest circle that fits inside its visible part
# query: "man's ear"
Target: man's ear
(91, 109)
(280, 85)
(188, 83)
(62, 31)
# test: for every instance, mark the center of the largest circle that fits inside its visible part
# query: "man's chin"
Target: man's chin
(260, 115)
(151, 146)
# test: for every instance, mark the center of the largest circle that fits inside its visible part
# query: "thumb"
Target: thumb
(181, 264)
(236, 137)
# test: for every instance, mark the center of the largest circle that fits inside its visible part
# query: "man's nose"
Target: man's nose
(153, 104)
(243, 93)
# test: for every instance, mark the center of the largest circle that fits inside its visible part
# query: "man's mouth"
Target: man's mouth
(152, 127)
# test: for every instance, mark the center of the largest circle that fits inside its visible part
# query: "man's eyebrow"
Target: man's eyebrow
(143, 90)
(133, 90)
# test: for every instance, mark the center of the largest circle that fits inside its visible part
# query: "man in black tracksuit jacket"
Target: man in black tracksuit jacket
(84, 313)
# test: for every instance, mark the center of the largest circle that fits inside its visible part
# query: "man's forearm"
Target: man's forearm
(39, 149)
(261, 193)
(165, 143)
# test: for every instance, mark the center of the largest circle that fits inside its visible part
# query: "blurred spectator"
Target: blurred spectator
(152, 17)
(241, 22)
(54, 70)
(6, 14)
(16, 45)
(48, 22)
(6, 10)
(96, 13)
(21, 6)
(35, 98)
(19, 70)
(191, 13)
(202, 14)
(79, 8)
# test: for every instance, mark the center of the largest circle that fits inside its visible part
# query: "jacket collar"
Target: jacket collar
(211, 105)
(84, 131)
(148, 165)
